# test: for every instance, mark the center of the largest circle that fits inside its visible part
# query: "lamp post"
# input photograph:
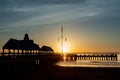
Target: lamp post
(62, 38)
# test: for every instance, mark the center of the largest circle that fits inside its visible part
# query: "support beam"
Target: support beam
(3, 53)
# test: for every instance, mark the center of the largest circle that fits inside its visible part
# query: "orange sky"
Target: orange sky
(77, 40)
(89, 25)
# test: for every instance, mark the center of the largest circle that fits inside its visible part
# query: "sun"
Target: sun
(65, 48)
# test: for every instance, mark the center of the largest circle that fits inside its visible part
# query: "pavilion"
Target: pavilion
(23, 46)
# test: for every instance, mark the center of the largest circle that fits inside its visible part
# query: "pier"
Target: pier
(26, 51)
(20, 60)
(93, 56)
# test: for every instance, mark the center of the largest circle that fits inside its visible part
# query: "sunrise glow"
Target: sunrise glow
(86, 26)
(65, 48)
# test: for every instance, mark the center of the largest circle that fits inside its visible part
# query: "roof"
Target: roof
(21, 44)
(25, 44)
(46, 48)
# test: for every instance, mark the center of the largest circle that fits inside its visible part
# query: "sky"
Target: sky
(89, 25)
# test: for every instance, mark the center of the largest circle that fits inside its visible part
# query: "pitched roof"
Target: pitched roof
(21, 44)
(25, 44)
(46, 48)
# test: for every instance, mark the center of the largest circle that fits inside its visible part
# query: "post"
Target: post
(62, 39)
(3, 53)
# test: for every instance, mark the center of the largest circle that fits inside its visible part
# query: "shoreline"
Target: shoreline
(71, 73)
(50, 71)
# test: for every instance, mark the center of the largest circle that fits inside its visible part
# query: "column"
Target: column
(3, 53)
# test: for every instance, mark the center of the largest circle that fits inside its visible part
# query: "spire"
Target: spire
(26, 37)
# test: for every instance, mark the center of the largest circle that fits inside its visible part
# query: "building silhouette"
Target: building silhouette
(23, 46)
(46, 48)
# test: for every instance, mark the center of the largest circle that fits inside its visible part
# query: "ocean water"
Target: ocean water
(88, 63)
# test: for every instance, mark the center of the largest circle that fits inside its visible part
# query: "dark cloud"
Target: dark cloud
(21, 3)
(12, 11)
(15, 10)
(9, 17)
(56, 1)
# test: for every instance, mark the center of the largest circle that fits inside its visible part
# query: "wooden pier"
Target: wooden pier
(26, 51)
(29, 58)
(93, 56)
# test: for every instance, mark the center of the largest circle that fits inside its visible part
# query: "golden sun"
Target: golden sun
(65, 48)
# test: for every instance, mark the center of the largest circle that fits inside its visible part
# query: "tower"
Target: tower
(26, 37)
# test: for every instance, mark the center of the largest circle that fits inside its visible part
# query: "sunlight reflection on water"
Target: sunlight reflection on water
(87, 63)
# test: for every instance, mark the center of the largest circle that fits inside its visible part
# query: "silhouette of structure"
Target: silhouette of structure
(18, 53)
(93, 56)
(23, 46)
(62, 40)
(46, 48)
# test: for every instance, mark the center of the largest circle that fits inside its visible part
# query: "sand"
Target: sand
(52, 72)
(48, 71)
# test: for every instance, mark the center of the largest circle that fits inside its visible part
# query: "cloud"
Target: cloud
(92, 19)
(29, 3)
(36, 12)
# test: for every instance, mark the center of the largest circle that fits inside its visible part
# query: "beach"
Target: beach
(72, 73)
(53, 72)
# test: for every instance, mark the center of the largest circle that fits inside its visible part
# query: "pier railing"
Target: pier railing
(43, 57)
(93, 56)
(27, 53)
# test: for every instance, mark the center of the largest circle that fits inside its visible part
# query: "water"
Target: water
(88, 63)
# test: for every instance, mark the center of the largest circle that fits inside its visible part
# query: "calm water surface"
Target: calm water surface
(88, 63)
